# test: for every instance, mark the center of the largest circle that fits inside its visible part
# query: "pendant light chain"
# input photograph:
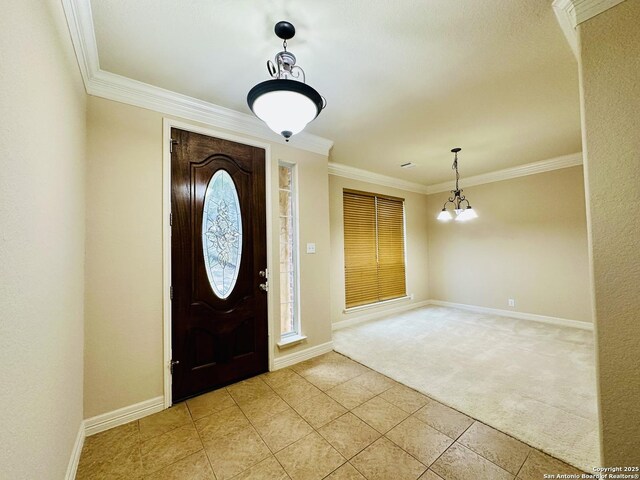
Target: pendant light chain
(455, 167)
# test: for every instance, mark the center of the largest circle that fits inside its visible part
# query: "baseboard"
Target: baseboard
(108, 420)
(72, 468)
(378, 314)
(519, 315)
(301, 356)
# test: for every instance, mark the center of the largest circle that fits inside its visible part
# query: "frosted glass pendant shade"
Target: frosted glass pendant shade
(286, 106)
(466, 214)
(444, 216)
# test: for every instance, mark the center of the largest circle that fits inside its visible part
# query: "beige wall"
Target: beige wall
(42, 138)
(416, 242)
(529, 244)
(124, 358)
(610, 73)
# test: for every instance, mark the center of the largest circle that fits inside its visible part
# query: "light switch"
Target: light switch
(311, 248)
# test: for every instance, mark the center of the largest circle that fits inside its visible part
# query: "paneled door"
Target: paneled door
(218, 263)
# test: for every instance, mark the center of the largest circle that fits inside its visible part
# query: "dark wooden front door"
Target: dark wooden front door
(218, 250)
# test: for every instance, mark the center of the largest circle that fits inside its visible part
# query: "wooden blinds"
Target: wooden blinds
(373, 248)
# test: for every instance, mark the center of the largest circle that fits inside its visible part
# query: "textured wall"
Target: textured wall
(124, 361)
(416, 245)
(610, 73)
(529, 244)
(42, 138)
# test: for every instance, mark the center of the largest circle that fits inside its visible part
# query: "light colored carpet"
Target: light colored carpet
(531, 380)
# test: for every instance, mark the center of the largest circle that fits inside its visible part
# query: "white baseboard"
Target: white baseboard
(72, 468)
(302, 355)
(378, 314)
(519, 315)
(108, 420)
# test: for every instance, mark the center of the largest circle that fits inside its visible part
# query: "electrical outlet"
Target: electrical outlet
(311, 248)
(512, 302)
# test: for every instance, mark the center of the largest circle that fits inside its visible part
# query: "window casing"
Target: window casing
(289, 299)
(374, 248)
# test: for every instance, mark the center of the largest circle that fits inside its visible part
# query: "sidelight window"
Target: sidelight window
(289, 308)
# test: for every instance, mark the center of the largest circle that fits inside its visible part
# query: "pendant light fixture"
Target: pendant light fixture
(286, 103)
(457, 200)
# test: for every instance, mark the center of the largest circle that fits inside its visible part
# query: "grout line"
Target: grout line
(200, 437)
(525, 461)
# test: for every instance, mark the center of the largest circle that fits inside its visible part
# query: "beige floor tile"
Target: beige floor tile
(319, 410)
(267, 469)
(164, 421)
(383, 460)
(350, 394)
(405, 398)
(283, 429)
(225, 422)
(449, 421)
(209, 403)
(420, 440)
(538, 464)
(346, 472)
(165, 449)
(501, 449)
(249, 390)
(123, 463)
(279, 377)
(263, 408)
(380, 414)
(302, 367)
(111, 442)
(234, 453)
(349, 435)
(460, 463)
(429, 475)
(297, 390)
(325, 377)
(374, 382)
(310, 458)
(193, 467)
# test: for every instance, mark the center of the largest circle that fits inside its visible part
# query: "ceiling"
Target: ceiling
(405, 80)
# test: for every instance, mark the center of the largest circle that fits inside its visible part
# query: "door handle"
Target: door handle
(264, 286)
(263, 273)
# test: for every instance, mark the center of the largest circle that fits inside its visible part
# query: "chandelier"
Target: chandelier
(286, 103)
(457, 200)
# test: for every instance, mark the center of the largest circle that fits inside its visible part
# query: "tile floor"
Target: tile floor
(328, 417)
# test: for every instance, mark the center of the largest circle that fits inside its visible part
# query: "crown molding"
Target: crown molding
(346, 171)
(557, 163)
(565, 161)
(571, 13)
(111, 86)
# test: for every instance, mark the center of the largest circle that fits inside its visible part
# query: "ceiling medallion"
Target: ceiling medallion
(462, 214)
(286, 103)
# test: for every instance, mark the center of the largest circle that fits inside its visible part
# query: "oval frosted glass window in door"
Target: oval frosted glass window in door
(222, 233)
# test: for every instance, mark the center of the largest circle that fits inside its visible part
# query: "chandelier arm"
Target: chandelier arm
(297, 71)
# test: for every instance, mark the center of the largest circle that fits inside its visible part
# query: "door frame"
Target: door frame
(167, 125)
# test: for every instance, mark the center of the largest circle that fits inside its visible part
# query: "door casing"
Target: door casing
(167, 124)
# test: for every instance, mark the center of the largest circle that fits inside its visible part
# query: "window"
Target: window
(289, 317)
(374, 251)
